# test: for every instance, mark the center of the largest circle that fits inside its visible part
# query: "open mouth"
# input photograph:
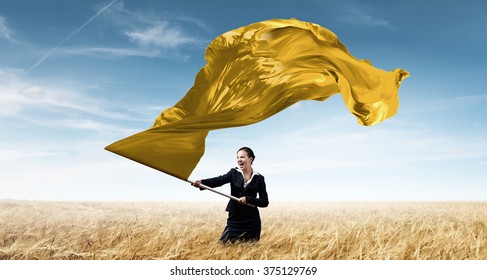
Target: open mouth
(240, 164)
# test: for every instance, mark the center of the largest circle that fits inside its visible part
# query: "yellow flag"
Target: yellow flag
(252, 73)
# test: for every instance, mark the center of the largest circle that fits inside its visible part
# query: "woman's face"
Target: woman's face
(243, 160)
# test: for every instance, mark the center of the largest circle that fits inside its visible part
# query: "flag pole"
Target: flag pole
(218, 192)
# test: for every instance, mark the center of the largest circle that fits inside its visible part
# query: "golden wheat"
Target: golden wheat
(292, 231)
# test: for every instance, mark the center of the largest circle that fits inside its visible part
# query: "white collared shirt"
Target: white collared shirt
(251, 177)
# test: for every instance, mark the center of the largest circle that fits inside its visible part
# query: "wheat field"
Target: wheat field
(32, 230)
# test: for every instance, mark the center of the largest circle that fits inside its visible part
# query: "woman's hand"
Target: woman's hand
(242, 200)
(197, 184)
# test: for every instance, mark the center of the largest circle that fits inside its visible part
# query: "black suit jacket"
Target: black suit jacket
(255, 192)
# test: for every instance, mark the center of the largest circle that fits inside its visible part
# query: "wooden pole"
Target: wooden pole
(218, 192)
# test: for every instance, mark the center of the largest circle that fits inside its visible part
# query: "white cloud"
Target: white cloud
(148, 36)
(85, 124)
(17, 94)
(359, 17)
(62, 108)
(296, 106)
(5, 31)
(161, 35)
(153, 35)
(33, 92)
(447, 104)
(378, 146)
(81, 171)
(103, 52)
(8, 155)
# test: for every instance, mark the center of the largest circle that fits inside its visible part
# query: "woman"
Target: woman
(243, 223)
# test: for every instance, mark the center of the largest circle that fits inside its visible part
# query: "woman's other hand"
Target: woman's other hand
(242, 200)
(197, 184)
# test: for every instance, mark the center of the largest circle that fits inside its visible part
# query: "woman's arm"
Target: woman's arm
(262, 200)
(217, 181)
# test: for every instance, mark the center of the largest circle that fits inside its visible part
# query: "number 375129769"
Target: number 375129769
(290, 270)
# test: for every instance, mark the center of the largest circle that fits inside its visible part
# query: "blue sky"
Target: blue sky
(76, 76)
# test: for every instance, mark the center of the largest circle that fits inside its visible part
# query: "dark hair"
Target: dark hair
(249, 152)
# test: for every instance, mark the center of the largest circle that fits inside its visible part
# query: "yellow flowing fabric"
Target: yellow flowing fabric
(252, 73)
